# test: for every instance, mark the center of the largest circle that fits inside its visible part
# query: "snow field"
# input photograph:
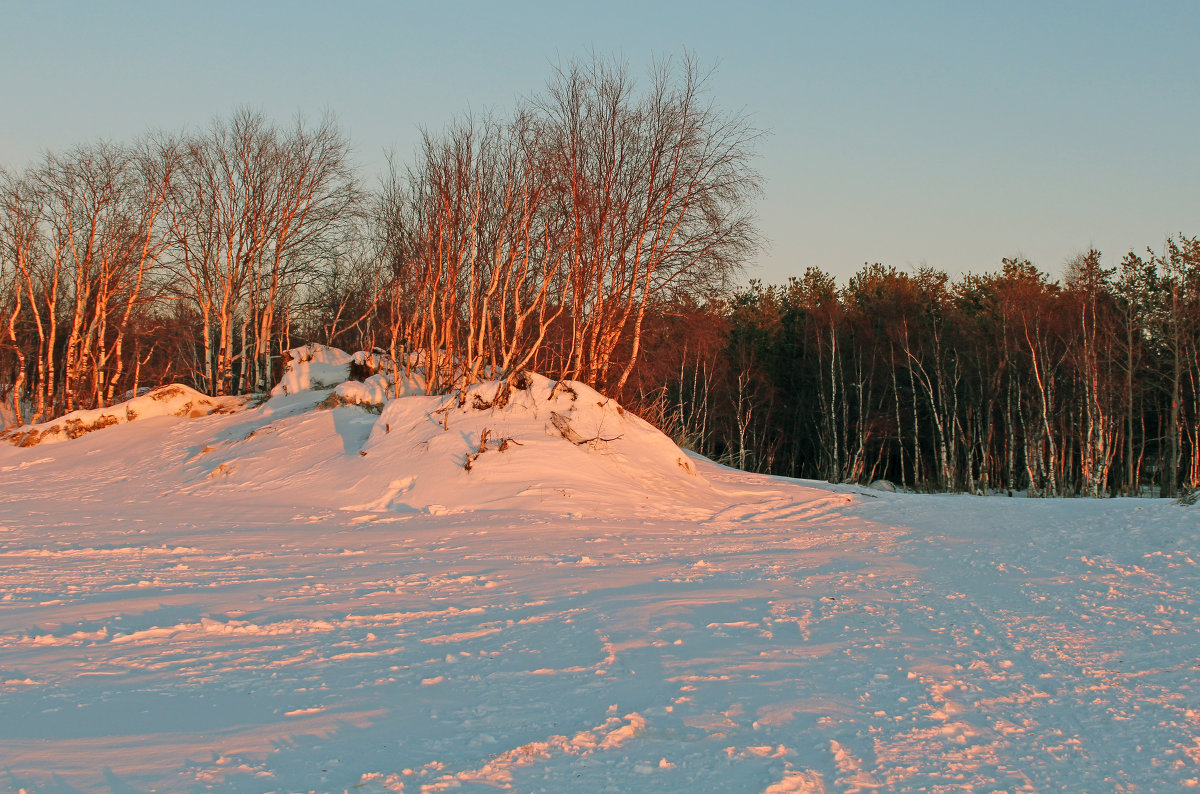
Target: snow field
(245, 602)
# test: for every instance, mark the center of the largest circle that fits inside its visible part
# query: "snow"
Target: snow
(244, 601)
(173, 400)
(313, 367)
(371, 391)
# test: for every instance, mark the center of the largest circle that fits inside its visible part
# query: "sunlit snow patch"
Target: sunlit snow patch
(312, 367)
(173, 400)
(535, 442)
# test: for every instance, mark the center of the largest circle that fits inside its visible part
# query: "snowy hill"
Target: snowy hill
(536, 590)
(324, 441)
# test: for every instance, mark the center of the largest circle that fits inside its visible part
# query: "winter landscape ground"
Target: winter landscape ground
(543, 593)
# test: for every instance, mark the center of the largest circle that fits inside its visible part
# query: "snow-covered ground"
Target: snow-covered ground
(248, 602)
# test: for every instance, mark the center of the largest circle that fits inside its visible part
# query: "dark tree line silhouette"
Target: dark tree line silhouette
(1006, 381)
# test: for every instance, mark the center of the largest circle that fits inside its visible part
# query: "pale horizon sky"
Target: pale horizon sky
(942, 133)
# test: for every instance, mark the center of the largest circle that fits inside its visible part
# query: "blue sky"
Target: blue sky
(950, 134)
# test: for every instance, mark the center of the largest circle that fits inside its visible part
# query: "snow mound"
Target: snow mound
(372, 391)
(312, 367)
(532, 442)
(530, 445)
(173, 400)
(362, 378)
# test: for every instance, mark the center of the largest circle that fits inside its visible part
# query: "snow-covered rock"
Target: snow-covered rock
(173, 400)
(312, 367)
(372, 391)
(361, 378)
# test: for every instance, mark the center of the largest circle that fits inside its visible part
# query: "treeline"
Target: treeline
(594, 233)
(541, 240)
(173, 258)
(1007, 381)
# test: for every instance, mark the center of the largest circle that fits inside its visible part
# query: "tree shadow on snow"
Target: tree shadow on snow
(354, 425)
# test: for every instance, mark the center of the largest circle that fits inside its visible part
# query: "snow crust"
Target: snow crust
(297, 598)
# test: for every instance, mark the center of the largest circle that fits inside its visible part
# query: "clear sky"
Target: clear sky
(941, 133)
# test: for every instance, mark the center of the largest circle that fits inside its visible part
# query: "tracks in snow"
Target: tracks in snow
(795, 640)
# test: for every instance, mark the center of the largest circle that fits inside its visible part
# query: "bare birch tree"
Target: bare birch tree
(253, 208)
(654, 191)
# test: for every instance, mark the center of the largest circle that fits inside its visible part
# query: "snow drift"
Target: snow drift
(493, 445)
(173, 400)
(322, 439)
